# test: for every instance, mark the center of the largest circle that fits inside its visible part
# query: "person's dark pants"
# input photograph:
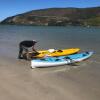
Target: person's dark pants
(21, 49)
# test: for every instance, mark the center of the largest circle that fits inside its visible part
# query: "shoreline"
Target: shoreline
(87, 26)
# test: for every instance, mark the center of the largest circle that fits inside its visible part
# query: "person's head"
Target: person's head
(34, 41)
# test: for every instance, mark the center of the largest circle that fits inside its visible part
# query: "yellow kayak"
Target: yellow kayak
(53, 52)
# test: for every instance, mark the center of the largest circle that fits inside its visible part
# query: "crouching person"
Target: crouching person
(24, 47)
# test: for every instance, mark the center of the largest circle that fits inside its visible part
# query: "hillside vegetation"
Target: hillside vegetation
(57, 17)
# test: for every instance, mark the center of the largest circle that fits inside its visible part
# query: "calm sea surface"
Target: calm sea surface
(49, 37)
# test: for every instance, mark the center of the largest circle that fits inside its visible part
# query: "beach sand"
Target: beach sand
(19, 82)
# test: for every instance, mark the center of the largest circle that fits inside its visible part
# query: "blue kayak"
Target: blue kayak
(61, 60)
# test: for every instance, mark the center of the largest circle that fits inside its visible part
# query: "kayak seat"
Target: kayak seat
(67, 58)
(87, 52)
(84, 55)
(59, 51)
(57, 59)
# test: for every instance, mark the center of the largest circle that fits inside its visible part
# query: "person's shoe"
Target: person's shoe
(20, 57)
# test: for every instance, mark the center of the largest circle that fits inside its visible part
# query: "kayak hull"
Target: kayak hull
(62, 60)
(56, 53)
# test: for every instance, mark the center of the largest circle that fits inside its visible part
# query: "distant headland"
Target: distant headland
(57, 17)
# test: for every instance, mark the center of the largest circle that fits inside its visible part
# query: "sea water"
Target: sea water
(49, 37)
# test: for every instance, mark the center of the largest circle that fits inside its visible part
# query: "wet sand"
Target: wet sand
(19, 82)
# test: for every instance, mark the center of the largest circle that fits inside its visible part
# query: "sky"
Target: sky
(13, 7)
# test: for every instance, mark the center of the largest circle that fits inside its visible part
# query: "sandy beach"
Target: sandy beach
(19, 82)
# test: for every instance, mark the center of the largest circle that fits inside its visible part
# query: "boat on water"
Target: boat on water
(61, 60)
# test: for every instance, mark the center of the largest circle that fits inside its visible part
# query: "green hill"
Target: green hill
(57, 17)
